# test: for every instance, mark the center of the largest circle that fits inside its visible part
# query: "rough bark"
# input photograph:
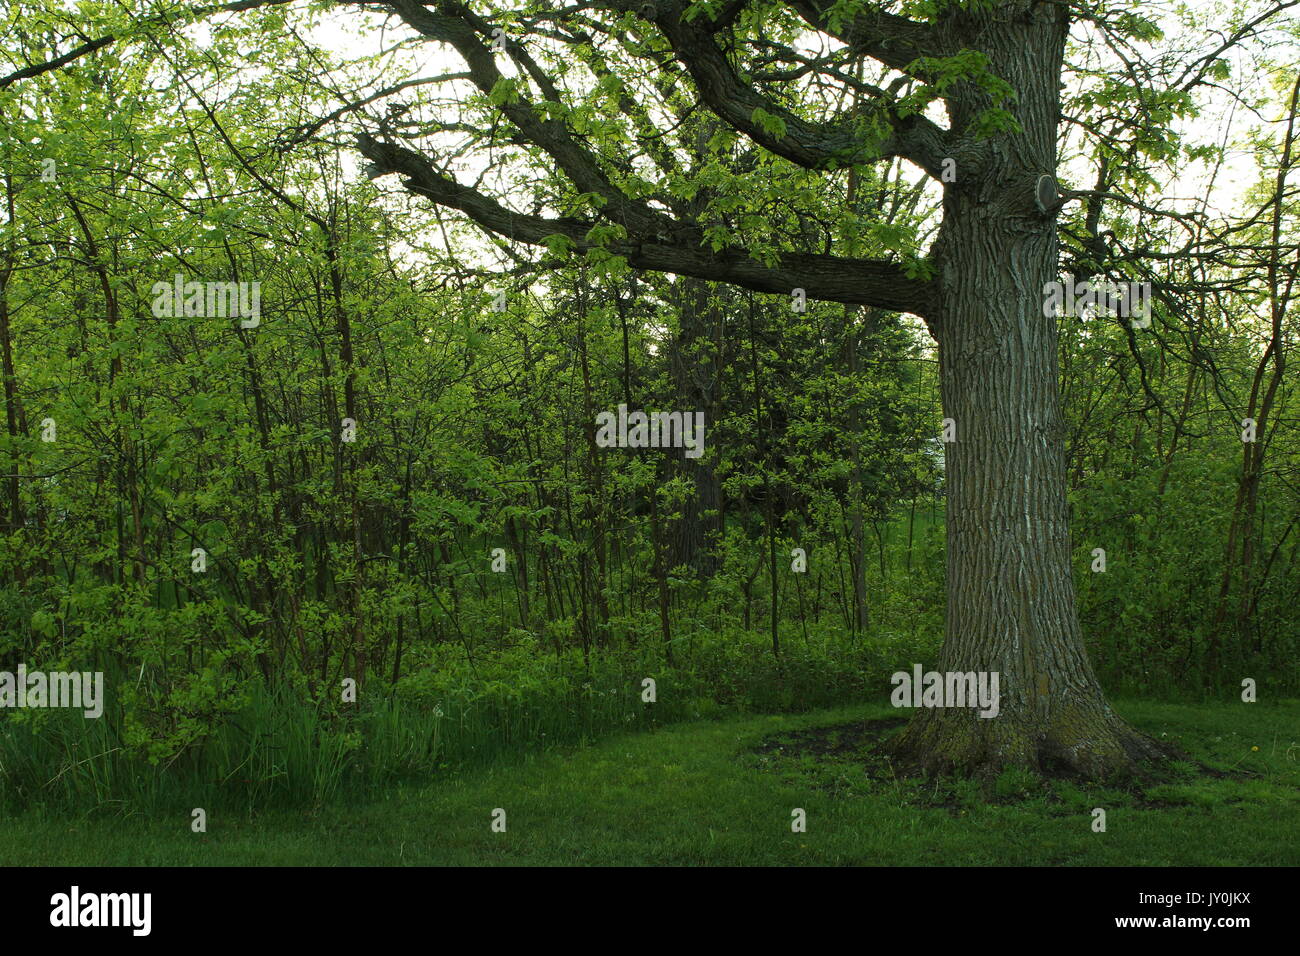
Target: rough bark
(1010, 586)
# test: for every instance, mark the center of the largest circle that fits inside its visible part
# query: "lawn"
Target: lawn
(722, 793)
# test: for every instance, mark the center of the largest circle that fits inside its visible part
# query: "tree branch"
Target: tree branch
(812, 145)
(891, 39)
(678, 249)
(451, 22)
(90, 46)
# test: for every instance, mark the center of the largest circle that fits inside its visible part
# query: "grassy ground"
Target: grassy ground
(722, 792)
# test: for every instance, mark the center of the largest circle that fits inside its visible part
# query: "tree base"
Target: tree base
(1088, 742)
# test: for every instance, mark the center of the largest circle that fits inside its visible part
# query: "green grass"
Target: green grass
(698, 793)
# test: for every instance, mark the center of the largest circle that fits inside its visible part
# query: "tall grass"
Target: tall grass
(279, 748)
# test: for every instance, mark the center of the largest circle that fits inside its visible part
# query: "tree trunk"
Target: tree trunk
(1010, 587)
(857, 490)
(695, 365)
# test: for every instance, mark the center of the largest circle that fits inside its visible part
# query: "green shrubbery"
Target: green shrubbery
(265, 746)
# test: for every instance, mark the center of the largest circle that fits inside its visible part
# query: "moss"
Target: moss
(1075, 740)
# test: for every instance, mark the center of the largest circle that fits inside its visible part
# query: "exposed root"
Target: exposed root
(1091, 745)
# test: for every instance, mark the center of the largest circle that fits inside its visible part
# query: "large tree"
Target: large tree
(801, 111)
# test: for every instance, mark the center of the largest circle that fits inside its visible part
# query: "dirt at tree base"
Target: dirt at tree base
(860, 756)
(1080, 739)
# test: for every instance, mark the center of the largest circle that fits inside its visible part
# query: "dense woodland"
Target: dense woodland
(470, 368)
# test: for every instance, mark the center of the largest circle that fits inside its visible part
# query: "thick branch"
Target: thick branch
(451, 22)
(677, 250)
(892, 40)
(811, 145)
